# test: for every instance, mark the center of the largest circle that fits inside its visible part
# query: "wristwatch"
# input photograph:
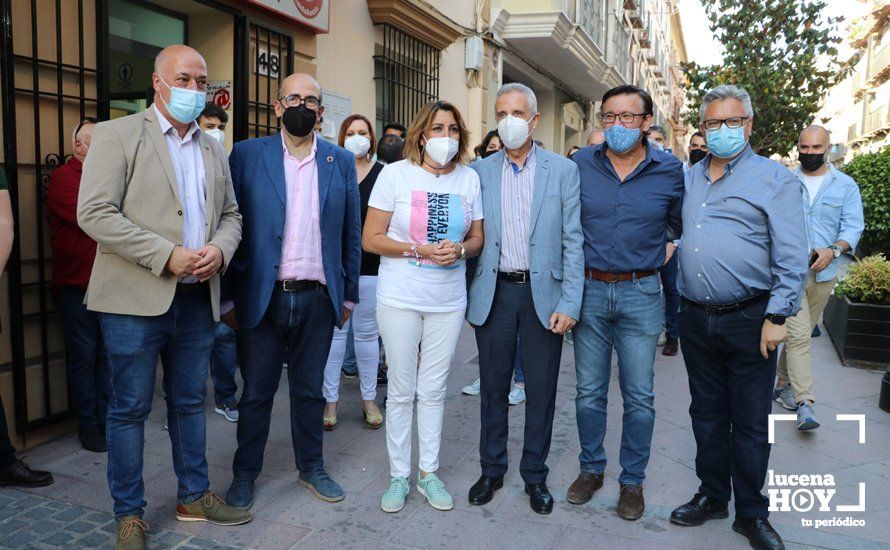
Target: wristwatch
(775, 318)
(837, 250)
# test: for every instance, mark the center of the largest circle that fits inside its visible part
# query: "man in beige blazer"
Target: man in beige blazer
(157, 197)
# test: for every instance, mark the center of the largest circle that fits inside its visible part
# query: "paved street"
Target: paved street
(74, 512)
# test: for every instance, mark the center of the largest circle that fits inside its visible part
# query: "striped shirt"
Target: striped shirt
(517, 191)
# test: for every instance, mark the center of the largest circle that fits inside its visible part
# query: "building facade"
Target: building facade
(62, 61)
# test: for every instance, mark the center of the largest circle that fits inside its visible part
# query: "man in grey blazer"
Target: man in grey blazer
(528, 283)
(156, 195)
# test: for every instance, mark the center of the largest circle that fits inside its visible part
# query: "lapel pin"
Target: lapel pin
(330, 158)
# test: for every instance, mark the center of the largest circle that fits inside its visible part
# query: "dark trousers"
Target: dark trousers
(296, 329)
(7, 451)
(85, 360)
(731, 386)
(513, 314)
(671, 296)
(223, 364)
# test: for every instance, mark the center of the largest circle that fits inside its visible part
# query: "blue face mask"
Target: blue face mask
(725, 142)
(620, 139)
(185, 105)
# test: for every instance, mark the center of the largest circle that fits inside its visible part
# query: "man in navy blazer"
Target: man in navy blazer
(293, 278)
(528, 283)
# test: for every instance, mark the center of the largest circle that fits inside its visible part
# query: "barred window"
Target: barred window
(271, 60)
(406, 76)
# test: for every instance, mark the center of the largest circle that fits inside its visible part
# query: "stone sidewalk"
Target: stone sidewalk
(74, 512)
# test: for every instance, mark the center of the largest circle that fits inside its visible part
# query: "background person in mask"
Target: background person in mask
(631, 195)
(490, 145)
(698, 150)
(73, 255)
(527, 286)
(742, 270)
(357, 136)
(294, 279)
(657, 137)
(224, 358)
(213, 121)
(155, 282)
(424, 220)
(833, 207)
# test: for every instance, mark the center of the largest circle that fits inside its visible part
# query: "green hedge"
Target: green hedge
(872, 172)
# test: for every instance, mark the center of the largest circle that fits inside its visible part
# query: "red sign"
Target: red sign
(223, 99)
(309, 8)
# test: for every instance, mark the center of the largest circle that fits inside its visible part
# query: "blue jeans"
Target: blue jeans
(85, 360)
(297, 329)
(223, 363)
(628, 317)
(182, 337)
(671, 295)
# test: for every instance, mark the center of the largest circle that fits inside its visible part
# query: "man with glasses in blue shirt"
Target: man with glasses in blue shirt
(742, 270)
(631, 195)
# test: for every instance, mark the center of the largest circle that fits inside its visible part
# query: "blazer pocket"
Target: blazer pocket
(557, 273)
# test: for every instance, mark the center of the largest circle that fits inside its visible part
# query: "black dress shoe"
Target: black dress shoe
(541, 500)
(20, 475)
(759, 532)
(93, 441)
(699, 510)
(483, 491)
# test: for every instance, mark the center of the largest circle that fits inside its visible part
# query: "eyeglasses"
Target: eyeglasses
(732, 122)
(626, 118)
(295, 100)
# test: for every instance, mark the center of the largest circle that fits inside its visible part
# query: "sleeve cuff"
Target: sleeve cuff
(349, 305)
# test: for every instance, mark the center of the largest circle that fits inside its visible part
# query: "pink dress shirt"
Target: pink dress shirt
(301, 246)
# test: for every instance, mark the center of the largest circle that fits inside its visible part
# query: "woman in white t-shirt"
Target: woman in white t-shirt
(424, 219)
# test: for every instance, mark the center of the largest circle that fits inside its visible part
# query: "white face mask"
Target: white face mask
(358, 145)
(655, 144)
(441, 149)
(513, 131)
(217, 134)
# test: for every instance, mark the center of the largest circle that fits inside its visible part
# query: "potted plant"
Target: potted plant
(872, 173)
(858, 314)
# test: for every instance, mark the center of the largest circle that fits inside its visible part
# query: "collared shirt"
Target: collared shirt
(188, 165)
(517, 192)
(627, 224)
(834, 214)
(301, 247)
(744, 234)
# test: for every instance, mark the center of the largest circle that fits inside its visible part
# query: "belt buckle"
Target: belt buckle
(524, 277)
(286, 285)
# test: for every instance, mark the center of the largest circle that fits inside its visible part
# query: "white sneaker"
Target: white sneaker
(472, 389)
(662, 338)
(517, 395)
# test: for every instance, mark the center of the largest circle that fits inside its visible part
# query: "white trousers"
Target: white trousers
(367, 348)
(406, 333)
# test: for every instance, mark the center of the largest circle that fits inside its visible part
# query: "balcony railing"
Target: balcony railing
(876, 120)
(880, 61)
(851, 133)
(591, 18)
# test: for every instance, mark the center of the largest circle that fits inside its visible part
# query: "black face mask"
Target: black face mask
(696, 155)
(299, 121)
(811, 161)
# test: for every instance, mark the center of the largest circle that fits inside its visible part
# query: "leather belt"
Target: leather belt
(290, 285)
(184, 288)
(720, 309)
(514, 276)
(607, 277)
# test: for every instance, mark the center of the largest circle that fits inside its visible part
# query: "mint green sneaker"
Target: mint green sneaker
(393, 499)
(433, 489)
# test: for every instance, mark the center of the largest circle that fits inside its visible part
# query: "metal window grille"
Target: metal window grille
(406, 75)
(52, 77)
(271, 55)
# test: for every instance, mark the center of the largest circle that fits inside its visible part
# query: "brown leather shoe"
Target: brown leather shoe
(582, 489)
(630, 502)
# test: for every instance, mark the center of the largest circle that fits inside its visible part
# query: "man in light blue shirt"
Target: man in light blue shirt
(742, 270)
(835, 221)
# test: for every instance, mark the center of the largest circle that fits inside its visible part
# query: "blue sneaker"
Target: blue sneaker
(433, 489)
(320, 483)
(240, 493)
(393, 499)
(228, 409)
(785, 396)
(806, 418)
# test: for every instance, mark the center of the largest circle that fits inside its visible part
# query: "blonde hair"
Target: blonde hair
(421, 123)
